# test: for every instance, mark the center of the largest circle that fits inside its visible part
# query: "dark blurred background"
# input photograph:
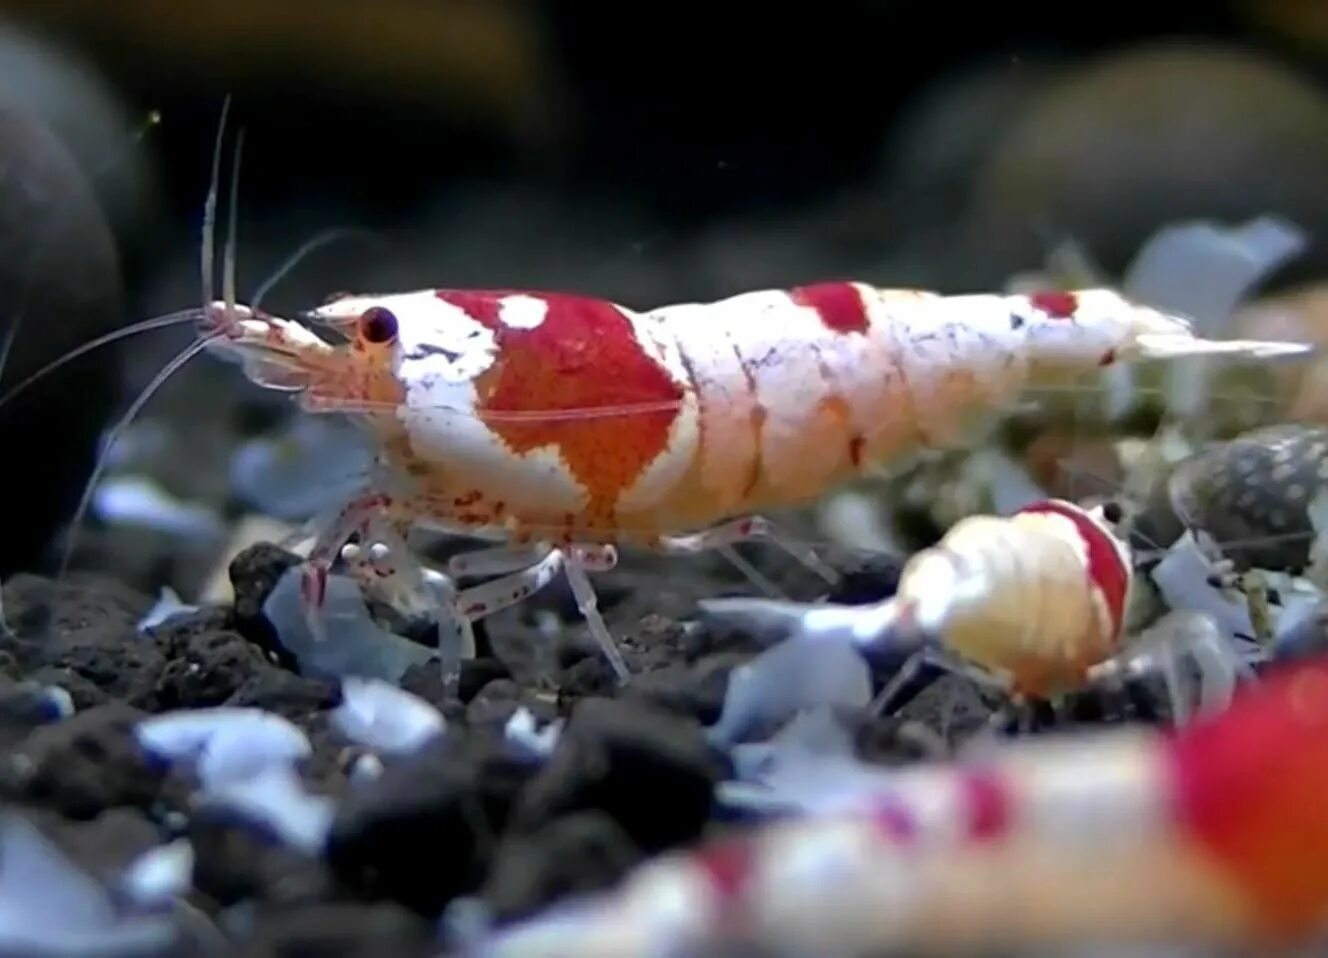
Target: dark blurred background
(647, 152)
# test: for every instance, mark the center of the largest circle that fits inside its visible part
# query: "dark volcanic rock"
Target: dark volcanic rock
(205, 668)
(26, 704)
(875, 579)
(105, 845)
(584, 852)
(254, 573)
(87, 627)
(650, 770)
(696, 691)
(82, 691)
(342, 931)
(291, 696)
(588, 677)
(86, 764)
(237, 860)
(499, 701)
(475, 674)
(422, 833)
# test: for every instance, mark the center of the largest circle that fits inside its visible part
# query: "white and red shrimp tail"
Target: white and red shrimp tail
(1213, 835)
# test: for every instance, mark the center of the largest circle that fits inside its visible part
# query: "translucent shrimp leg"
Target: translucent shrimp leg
(542, 563)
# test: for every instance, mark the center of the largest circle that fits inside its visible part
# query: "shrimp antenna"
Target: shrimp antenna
(159, 380)
(232, 227)
(310, 246)
(156, 322)
(183, 357)
(207, 250)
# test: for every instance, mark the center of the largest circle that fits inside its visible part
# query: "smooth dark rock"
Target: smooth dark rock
(422, 833)
(651, 771)
(584, 852)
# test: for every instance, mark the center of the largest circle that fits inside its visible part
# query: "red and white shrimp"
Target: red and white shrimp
(566, 425)
(1218, 834)
(1035, 603)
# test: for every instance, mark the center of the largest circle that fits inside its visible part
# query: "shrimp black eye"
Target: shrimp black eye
(1112, 512)
(378, 325)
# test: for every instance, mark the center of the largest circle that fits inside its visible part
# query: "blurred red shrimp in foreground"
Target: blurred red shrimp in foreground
(1218, 834)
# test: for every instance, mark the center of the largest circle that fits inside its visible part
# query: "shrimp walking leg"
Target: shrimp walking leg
(384, 567)
(934, 657)
(747, 529)
(580, 560)
(355, 516)
(574, 561)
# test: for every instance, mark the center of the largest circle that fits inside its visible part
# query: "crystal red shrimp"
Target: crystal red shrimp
(1035, 603)
(575, 424)
(1216, 833)
(1038, 598)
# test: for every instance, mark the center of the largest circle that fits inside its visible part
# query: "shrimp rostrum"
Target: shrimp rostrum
(563, 426)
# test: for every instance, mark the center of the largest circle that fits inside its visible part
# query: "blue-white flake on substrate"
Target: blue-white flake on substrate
(246, 761)
(384, 718)
(352, 644)
(50, 907)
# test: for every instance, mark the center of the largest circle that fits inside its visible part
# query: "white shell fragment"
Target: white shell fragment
(382, 717)
(48, 906)
(277, 797)
(138, 501)
(808, 768)
(521, 730)
(354, 644)
(1182, 579)
(161, 874)
(167, 606)
(225, 744)
(805, 671)
(1183, 642)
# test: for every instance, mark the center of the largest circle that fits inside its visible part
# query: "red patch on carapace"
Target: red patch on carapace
(1107, 571)
(583, 356)
(1055, 303)
(989, 806)
(839, 305)
(855, 445)
(1250, 786)
(728, 864)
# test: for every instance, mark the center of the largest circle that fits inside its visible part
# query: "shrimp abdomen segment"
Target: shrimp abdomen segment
(801, 389)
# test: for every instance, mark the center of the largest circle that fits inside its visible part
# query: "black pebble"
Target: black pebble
(695, 691)
(237, 860)
(585, 852)
(650, 770)
(348, 930)
(874, 580)
(291, 696)
(423, 831)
